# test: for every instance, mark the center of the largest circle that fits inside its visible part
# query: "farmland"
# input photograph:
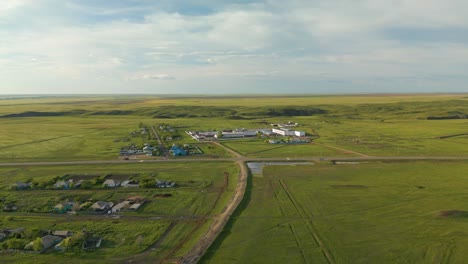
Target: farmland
(412, 212)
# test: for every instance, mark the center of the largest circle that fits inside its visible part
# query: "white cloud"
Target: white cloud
(12, 4)
(270, 40)
(153, 76)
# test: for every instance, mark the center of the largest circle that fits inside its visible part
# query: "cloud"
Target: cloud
(244, 41)
(154, 76)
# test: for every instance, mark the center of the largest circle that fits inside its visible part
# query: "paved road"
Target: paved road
(246, 159)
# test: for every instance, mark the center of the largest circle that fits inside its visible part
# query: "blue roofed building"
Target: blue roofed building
(178, 151)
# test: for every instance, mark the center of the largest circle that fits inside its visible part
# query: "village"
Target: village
(163, 136)
(45, 241)
(159, 140)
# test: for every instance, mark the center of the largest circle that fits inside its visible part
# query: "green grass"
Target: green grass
(366, 213)
(261, 149)
(396, 137)
(373, 125)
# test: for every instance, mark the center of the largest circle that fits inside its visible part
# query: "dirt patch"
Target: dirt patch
(76, 178)
(349, 186)
(162, 195)
(453, 213)
(119, 177)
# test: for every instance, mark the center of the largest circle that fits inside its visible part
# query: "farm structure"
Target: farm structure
(287, 132)
(135, 150)
(237, 133)
(245, 133)
(203, 135)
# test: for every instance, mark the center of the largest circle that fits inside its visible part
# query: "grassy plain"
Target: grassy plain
(349, 214)
(86, 128)
(367, 213)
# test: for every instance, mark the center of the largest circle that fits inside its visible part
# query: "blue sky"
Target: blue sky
(243, 46)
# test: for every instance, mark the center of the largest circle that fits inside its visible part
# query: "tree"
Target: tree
(75, 240)
(37, 244)
(86, 184)
(16, 243)
(99, 180)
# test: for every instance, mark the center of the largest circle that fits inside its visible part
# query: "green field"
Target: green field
(411, 212)
(93, 128)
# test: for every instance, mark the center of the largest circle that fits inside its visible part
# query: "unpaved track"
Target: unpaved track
(342, 149)
(220, 220)
(230, 150)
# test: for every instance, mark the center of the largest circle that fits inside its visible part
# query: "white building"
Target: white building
(238, 134)
(299, 133)
(283, 131)
(287, 132)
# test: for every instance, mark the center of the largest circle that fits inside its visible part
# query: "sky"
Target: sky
(233, 47)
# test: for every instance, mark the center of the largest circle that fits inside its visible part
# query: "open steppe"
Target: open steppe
(378, 209)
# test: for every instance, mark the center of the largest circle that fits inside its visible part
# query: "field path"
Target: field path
(341, 149)
(230, 150)
(220, 220)
(313, 230)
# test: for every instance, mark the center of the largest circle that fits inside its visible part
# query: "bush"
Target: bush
(16, 243)
(37, 244)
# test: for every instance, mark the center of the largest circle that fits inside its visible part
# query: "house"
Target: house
(120, 206)
(63, 184)
(62, 233)
(164, 184)
(92, 243)
(130, 150)
(178, 151)
(130, 184)
(101, 206)
(111, 183)
(22, 186)
(49, 241)
(13, 231)
(62, 207)
(148, 149)
(78, 184)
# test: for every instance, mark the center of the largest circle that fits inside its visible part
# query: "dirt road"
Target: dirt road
(220, 220)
